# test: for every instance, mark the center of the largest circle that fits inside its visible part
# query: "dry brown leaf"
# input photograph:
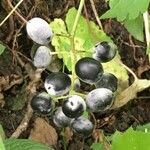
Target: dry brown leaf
(68, 134)
(2, 101)
(99, 136)
(44, 133)
(130, 93)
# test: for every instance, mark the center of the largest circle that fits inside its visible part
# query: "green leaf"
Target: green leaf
(87, 35)
(123, 9)
(2, 133)
(2, 48)
(97, 146)
(145, 128)
(135, 27)
(61, 42)
(131, 140)
(87, 31)
(86, 114)
(119, 71)
(2, 147)
(2, 138)
(24, 144)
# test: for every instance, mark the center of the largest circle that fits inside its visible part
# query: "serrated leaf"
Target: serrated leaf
(144, 128)
(135, 27)
(97, 146)
(2, 48)
(24, 144)
(87, 35)
(123, 9)
(61, 42)
(88, 31)
(131, 140)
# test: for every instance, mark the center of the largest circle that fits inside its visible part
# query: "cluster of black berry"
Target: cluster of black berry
(58, 84)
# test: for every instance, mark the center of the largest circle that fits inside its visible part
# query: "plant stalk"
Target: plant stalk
(147, 32)
(72, 35)
(12, 11)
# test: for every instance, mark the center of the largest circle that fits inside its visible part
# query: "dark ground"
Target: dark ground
(132, 54)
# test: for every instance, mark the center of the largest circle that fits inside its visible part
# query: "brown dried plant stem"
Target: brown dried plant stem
(96, 14)
(12, 11)
(17, 13)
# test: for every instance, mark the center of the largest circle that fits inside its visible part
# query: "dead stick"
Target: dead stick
(17, 13)
(96, 14)
(12, 11)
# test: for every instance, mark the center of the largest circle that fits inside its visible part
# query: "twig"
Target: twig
(18, 31)
(96, 14)
(28, 59)
(129, 70)
(12, 29)
(24, 123)
(95, 38)
(14, 82)
(12, 11)
(134, 48)
(17, 13)
(94, 119)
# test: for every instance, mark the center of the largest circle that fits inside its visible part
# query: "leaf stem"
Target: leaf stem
(96, 14)
(73, 51)
(147, 32)
(77, 18)
(70, 94)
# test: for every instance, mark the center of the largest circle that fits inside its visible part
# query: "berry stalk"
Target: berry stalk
(73, 50)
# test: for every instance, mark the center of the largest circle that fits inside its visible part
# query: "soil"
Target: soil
(132, 52)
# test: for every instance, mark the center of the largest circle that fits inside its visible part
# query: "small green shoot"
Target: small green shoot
(2, 48)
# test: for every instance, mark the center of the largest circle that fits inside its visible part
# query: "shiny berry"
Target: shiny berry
(82, 126)
(42, 103)
(88, 70)
(74, 106)
(108, 81)
(57, 84)
(60, 119)
(104, 51)
(99, 99)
